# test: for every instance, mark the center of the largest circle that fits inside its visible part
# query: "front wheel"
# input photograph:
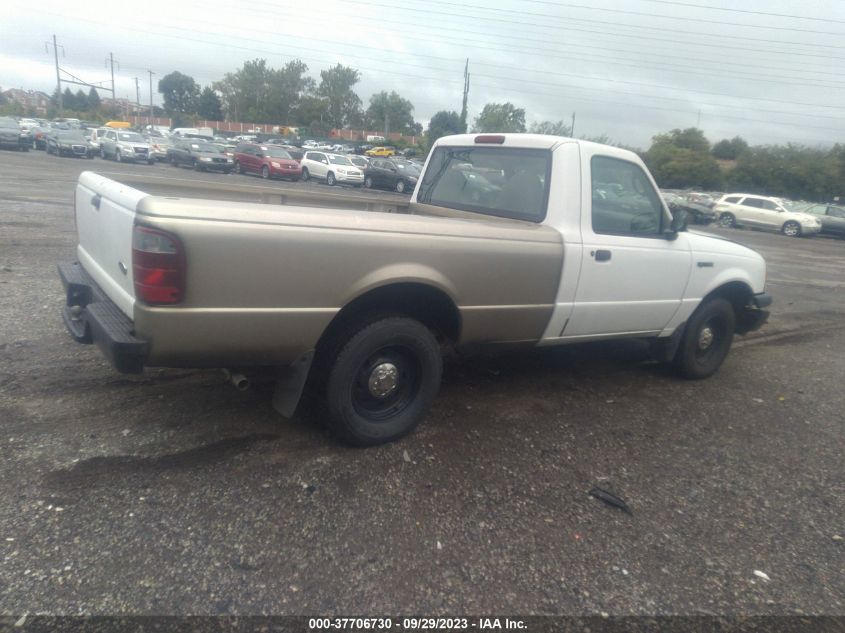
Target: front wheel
(727, 220)
(792, 229)
(706, 340)
(237, 168)
(400, 186)
(368, 182)
(330, 180)
(305, 174)
(265, 172)
(117, 156)
(383, 381)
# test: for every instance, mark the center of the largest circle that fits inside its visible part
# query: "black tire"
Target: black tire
(117, 157)
(265, 172)
(400, 186)
(103, 153)
(198, 166)
(409, 354)
(706, 340)
(151, 162)
(791, 229)
(173, 161)
(727, 220)
(237, 168)
(368, 182)
(330, 180)
(305, 174)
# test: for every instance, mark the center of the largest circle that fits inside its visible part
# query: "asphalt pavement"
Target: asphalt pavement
(172, 493)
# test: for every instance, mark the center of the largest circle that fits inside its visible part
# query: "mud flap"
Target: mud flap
(289, 384)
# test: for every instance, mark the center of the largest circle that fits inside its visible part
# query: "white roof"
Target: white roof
(532, 141)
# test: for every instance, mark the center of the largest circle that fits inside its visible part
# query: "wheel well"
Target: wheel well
(429, 305)
(739, 294)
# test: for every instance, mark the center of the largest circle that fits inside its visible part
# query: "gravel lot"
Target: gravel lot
(171, 492)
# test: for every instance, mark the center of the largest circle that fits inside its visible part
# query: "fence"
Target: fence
(268, 128)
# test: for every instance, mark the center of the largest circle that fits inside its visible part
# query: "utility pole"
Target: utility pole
(137, 94)
(572, 129)
(386, 126)
(58, 75)
(151, 96)
(110, 61)
(466, 96)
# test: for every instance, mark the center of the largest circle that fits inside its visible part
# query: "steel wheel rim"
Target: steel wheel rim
(386, 383)
(709, 340)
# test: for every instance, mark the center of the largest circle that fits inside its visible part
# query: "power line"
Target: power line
(712, 8)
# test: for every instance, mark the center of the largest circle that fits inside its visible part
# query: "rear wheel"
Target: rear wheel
(117, 156)
(400, 186)
(706, 340)
(265, 172)
(727, 220)
(368, 182)
(330, 180)
(305, 174)
(383, 380)
(791, 229)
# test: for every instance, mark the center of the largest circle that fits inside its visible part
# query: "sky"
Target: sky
(770, 71)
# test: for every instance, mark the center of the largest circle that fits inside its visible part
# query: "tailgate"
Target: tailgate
(105, 215)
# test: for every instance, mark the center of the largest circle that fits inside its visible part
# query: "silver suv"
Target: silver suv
(763, 212)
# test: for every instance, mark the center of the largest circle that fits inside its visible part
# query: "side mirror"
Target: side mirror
(680, 218)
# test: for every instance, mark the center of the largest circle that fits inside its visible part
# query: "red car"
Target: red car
(269, 161)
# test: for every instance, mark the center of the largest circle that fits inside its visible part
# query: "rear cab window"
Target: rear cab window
(503, 181)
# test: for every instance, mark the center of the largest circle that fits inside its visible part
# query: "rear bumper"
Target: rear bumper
(91, 317)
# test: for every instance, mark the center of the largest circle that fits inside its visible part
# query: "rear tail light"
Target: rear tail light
(158, 266)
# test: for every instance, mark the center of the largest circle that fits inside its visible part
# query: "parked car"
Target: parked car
(360, 162)
(200, 155)
(69, 143)
(391, 173)
(831, 216)
(38, 135)
(123, 145)
(12, 136)
(362, 302)
(380, 151)
(296, 153)
(763, 212)
(698, 208)
(268, 161)
(159, 146)
(332, 168)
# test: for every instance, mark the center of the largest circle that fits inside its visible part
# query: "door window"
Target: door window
(733, 200)
(624, 200)
(753, 202)
(768, 205)
(836, 212)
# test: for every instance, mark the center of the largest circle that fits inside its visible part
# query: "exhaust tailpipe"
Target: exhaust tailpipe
(240, 382)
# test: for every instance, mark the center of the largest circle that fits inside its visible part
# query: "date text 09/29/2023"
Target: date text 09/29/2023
(415, 624)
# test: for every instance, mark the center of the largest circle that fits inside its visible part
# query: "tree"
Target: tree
(552, 128)
(344, 106)
(730, 149)
(390, 112)
(681, 158)
(444, 123)
(209, 106)
(81, 101)
(69, 100)
(258, 93)
(93, 100)
(180, 93)
(500, 117)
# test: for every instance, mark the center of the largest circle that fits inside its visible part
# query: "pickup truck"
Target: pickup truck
(508, 239)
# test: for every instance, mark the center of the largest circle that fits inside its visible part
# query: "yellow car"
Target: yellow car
(381, 151)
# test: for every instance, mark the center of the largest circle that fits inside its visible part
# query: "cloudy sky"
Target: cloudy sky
(768, 70)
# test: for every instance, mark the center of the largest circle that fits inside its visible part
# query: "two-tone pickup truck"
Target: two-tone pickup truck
(508, 239)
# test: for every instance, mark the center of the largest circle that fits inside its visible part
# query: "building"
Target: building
(34, 102)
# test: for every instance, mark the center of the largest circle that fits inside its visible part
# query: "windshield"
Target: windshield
(275, 152)
(408, 167)
(130, 136)
(205, 147)
(340, 160)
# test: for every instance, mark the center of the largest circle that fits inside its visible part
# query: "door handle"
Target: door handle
(601, 255)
